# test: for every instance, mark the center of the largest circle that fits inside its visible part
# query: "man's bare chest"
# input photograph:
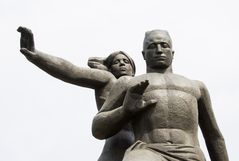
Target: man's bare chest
(169, 85)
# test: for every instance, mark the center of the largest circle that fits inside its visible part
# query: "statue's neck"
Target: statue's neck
(163, 71)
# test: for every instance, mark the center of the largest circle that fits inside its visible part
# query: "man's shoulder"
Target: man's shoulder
(181, 77)
(123, 80)
(201, 86)
(128, 79)
(138, 79)
(195, 87)
(186, 79)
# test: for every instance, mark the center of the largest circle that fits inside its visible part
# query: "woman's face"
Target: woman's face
(121, 66)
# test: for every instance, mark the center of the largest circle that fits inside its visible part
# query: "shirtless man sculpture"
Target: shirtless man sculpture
(100, 77)
(165, 110)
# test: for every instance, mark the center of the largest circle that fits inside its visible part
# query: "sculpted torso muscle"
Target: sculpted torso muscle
(174, 118)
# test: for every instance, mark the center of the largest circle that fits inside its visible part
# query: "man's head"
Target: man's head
(157, 49)
(119, 64)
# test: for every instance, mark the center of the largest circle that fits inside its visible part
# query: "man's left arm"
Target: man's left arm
(212, 135)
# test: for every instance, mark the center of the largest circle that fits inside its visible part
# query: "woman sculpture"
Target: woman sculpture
(101, 77)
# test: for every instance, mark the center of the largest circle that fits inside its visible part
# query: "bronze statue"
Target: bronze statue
(164, 108)
(101, 77)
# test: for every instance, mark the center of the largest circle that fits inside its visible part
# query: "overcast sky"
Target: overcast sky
(45, 119)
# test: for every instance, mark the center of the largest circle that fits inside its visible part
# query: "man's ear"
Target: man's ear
(143, 53)
(173, 53)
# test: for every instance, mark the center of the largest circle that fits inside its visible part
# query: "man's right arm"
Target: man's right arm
(119, 108)
(60, 68)
(112, 117)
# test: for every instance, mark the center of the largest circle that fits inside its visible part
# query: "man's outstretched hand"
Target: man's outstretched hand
(134, 101)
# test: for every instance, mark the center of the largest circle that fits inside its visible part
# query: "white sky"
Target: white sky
(45, 119)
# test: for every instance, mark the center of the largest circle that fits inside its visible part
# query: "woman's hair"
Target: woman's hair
(108, 61)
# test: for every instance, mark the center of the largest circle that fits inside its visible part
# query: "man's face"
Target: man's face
(158, 53)
(121, 66)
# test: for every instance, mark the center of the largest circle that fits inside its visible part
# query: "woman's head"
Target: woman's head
(119, 64)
